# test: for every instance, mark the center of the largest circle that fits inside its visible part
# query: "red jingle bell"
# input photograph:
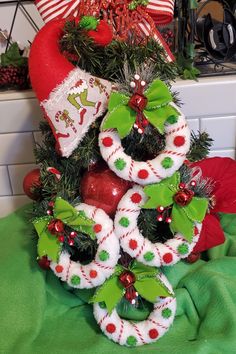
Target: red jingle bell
(193, 257)
(138, 102)
(131, 294)
(183, 197)
(55, 226)
(127, 278)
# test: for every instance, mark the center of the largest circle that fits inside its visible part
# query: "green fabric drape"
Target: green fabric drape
(39, 316)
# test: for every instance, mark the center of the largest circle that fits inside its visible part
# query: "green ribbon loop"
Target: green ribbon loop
(48, 244)
(183, 217)
(146, 283)
(121, 117)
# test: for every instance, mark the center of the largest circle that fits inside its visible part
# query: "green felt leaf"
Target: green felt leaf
(181, 223)
(122, 118)
(161, 194)
(48, 244)
(196, 209)
(151, 288)
(117, 99)
(142, 270)
(159, 116)
(157, 94)
(13, 57)
(87, 230)
(69, 215)
(110, 292)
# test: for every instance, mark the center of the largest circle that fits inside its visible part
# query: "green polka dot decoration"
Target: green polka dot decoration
(124, 222)
(166, 313)
(132, 341)
(172, 119)
(120, 164)
(183, 249)
(102, 305)
(103, 256)
(167, 162)
(75, 280)
(148, 256)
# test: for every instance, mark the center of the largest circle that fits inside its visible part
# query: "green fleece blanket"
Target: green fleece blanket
(39, 316)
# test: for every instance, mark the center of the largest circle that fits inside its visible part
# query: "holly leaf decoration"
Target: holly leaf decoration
(161, 194)
(181, 223)
(13, 57)
(196, 210)
(48, 244)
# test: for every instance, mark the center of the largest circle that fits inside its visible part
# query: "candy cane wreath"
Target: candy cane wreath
(177, 143)
(138, 333)
(96, 272)
(140, 248)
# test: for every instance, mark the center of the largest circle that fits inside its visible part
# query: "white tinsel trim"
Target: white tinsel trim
(133, 242)
(132, 333)
(95, 273)
(155, 171)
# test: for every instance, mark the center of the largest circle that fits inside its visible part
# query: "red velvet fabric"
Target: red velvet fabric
(47, 66)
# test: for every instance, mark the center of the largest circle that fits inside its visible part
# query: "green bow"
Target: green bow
(48, 244)
(146, 284)
(121, 117)
(183, 217)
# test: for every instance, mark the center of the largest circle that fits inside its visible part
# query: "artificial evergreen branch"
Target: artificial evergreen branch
(200, 146)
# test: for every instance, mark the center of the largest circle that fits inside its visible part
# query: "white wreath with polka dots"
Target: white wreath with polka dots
(133, 333)
(102, 267)
(140, 248)
(177, 144)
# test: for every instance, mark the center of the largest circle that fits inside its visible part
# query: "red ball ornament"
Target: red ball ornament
(131, 294)
(127, 278)
(138, 102)
(44, 262)
(30, 182)
(103, 189)
(183, 197)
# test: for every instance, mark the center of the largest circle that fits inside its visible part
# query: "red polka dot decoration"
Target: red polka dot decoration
(131, 333)
(133, 242)
(82, 276)
(177, 144)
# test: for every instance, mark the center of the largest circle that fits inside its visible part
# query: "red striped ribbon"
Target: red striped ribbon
(160, 11)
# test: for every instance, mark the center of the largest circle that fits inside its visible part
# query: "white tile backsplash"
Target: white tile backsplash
(223, 153)
(5, 187)
(222, 130)
(10, 203)
(16, 148)
(194, 124)
(17, 174)
(20, 116)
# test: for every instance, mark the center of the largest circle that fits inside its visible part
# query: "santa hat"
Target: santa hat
(70, 97)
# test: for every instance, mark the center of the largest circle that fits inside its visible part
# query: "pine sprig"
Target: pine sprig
(200, 146)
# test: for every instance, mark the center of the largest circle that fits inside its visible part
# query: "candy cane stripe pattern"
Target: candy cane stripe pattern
(177, 144)
(101, 268)
(131, 333)
(133, 242)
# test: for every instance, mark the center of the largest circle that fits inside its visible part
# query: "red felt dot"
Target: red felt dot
(167, 258)
(179, 140)
(59, 269)
(110, 328)
(133, 244)
(97, 228)
(107, 142)
(153, 333)
(93, 273)
(196, 232)
(143, 174)
(136, 198)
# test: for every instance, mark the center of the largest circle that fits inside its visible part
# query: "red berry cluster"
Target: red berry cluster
(14, 77)
(168, 36)
(57, 228)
